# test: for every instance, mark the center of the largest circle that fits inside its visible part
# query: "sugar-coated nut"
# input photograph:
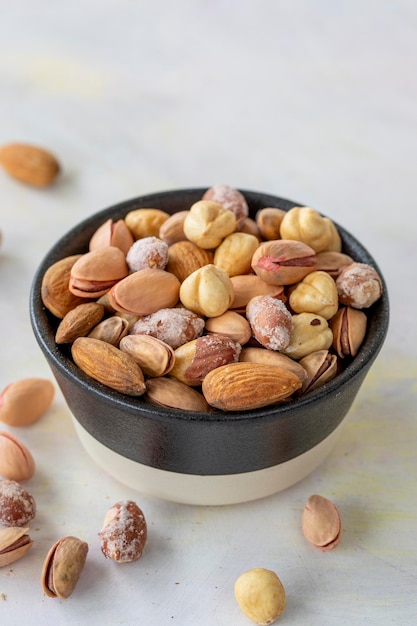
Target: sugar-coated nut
(24, 401)
(307, 225)
(316, 293)
(310, 333)
(270, 321)
(17, 506)
(260, 595)
(63, 566)
(148, 252)
(321, 523)
(235, 252)
(195, 359)
(145, 222)
(208, 223)
(207, 291)
(30, 164)
(174, 326)
(283, 261)
(230, 198)
(358, 285)
(124, 532)
(16, 461)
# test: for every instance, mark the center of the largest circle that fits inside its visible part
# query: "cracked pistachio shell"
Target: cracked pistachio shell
(316, 293)
(14, 543)
(230, 324)
(349, 329)
(112, 330)
(307, 225)
(208, 223)
(154, 357)
(321, 523)
(97, 271)
(321, 366)
(283, 261)
(261, 595)
(207, 291)
(114, 234)
(24, 401)
(63, 566)
(310, 333)
(171, 393)
(145, 292)
(16, 462)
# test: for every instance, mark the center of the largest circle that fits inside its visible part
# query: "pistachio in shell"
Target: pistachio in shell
(321, 523)
(63, 566)
(14, 543)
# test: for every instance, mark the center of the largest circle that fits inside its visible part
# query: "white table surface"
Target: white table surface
(314, 101)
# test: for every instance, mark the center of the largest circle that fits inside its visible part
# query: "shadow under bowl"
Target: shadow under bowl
(211, 458)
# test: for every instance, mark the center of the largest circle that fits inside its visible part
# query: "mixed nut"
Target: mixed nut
(204, 285)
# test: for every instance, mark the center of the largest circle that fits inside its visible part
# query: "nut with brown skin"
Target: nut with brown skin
(16, 461)
(184, 257)
(14, 543)
(79, 321)
(30, 164)
(55, 292)
(261, 595)
(63, 566)
(283, 261)
(230, 198)
(17, 506)
(270, 321)
(321, 523)
(124, 532)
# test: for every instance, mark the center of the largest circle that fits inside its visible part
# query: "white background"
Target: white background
(314, 101)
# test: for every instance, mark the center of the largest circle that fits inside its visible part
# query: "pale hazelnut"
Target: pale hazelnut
(208, 223)
(310, 333)
(235, 252)
(145, 222)
(260, 595)
(316, 293)
(308, 226)
(207, 291)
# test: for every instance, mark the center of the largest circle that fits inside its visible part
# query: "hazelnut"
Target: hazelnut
(261, 595)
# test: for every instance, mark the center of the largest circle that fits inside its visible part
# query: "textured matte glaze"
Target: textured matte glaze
(199, 443)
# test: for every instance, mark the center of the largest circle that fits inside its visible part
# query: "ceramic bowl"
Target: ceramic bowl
(211, 458)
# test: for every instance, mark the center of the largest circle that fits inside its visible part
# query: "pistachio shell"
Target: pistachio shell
(24, 401)
(154, 357)
(321, 523)
(16, 462)
(321, 366)
(172, 393)
(97, 271)
(114, 234)
(145, 292)
(14, 543)
(112, 330)
(349, 329)
(63, 566)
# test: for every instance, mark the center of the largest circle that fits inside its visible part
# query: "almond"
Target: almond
(245, 386)
(29, 164)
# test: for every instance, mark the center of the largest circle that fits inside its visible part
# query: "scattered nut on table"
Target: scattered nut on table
(17, 505)
(14, 543)
(321, 523)
(16, 461)
(29, 164)
(124, 532)
(260, 595)
(63, 566)
(24, 401)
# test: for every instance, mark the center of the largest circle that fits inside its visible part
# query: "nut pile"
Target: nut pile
(163, 305)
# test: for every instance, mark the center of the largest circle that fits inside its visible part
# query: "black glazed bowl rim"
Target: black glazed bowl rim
(63, 368)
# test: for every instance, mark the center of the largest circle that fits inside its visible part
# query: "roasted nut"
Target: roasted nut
(24, 401)
(321, 523)
(108, 365)
(316, 293)
(235, 252)
(321, 366)
(79, 321)
(148, 252)
(261, 595)
(63, 566)
(208, 223)
(114, 234)
(247, 286)
(270, 321)
(154, 357)
(269, 222)
(230, 198)
(245, 386)
(55, 292)
(310, 333)
(17, 506)
(145, 222)
(172, 230)
(195, 359)
(30, 164)
(184, 257)
(332, 262)
(97, 271)
(16, 462)
(308, 226)
(171, 393)
(207, 291)
(124, 532)
(14, 543)
(112, 330)
(349, 329)
(283, 262)
(358, 285)
(173, 326)
(230, 324)
(249, 226)
(271, 357)
(145, 292)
